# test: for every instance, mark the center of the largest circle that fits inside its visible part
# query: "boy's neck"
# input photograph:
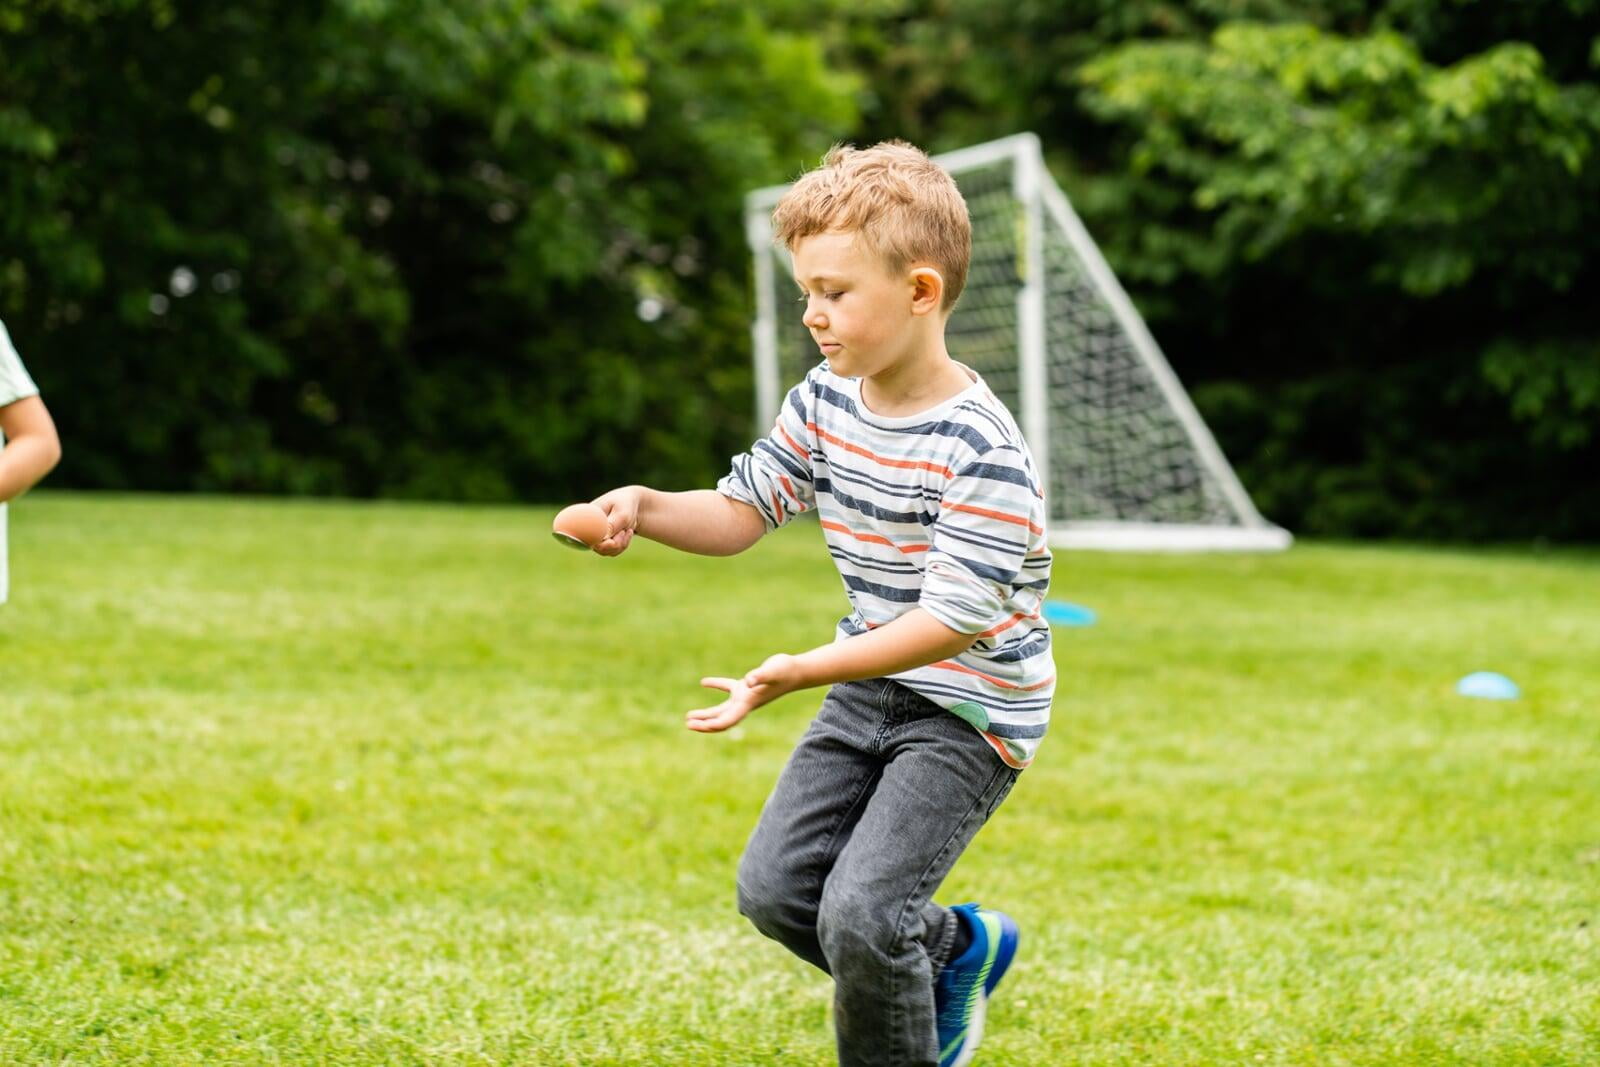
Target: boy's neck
(924, 379)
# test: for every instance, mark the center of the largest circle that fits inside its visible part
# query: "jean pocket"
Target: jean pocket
(1007, 779)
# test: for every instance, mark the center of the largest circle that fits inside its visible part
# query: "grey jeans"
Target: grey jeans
(877, 802)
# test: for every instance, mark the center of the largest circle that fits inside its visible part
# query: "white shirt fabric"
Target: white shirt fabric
(14, 385)
(940, 510)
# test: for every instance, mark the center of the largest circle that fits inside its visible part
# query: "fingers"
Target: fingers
(766, 684)
(777, 671)
(619, 510)
(616, 544)
(714, 720)
(715, 727)
(720, 717)
(622, 519)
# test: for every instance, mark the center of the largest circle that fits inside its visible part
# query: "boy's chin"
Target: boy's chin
(845, 367)
(843, 364)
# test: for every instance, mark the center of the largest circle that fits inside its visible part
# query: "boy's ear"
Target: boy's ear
(927, 290)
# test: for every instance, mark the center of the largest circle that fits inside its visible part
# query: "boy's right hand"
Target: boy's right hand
(622, 510)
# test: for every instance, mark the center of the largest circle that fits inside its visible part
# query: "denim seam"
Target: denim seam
(833, 835)
(886, 722)
(941, 952)
(1004, 791)
(922, 880)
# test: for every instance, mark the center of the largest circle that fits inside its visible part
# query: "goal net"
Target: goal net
(1125, 459)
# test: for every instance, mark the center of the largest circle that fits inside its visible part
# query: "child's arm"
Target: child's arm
(701, 520)
(763, 489)
(32, 447)
(915, 639)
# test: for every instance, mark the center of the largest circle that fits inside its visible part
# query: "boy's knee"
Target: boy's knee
(856, 931)
(755, 903)
(771, 900)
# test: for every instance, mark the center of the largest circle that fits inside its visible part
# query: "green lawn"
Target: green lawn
(311, 782)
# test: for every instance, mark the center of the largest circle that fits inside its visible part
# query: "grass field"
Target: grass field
(312, 782)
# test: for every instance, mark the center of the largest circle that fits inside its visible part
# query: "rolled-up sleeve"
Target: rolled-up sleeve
(991, 521)
(775, 477)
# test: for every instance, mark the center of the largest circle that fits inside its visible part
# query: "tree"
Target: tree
(483, 249)
(1359, 228)
(1452, 208)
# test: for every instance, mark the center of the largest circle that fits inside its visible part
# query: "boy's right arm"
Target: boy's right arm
(701, 521)
(763, 489)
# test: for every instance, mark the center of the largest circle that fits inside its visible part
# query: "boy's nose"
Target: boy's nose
(814, 318)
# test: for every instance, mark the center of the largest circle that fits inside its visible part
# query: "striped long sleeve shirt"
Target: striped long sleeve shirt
(940, 510)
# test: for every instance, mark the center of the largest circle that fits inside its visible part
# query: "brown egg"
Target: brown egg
(581, 526)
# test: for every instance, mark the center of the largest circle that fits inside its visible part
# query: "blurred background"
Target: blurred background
(492, 250)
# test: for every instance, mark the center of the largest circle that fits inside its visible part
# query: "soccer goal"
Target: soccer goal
(1126, 460)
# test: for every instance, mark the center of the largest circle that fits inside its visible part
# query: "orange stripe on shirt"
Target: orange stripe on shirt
(906, 464)
(952, 665)
(1018, 617)
(872, 538)
(802, 453)
(1015, 520)
(1005, 753)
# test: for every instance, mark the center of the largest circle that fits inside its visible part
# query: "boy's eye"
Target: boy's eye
(834, 295)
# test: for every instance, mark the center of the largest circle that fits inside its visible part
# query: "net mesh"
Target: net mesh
(1118, 449)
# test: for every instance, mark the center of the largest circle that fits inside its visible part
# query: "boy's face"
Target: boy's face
(856, 310)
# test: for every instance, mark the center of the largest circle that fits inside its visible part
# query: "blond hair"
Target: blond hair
(905, 208)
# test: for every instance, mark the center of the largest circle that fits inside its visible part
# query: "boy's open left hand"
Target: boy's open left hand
(778, 675)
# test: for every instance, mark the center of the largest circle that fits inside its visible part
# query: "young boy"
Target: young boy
(941, 674)
(28, 443)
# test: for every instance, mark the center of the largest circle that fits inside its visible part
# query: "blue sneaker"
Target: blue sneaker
(961, 992)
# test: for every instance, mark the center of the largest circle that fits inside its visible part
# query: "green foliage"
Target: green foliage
(492, 248)
(1280, 131)
(1468, 195)
(408, 247)
(1553, 386)
(1328, 211)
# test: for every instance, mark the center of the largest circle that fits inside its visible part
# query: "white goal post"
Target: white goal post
(1126, 461)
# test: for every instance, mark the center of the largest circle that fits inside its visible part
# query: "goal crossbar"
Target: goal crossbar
(1129, 464)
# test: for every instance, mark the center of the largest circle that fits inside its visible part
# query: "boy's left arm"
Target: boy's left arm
(915, 639)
